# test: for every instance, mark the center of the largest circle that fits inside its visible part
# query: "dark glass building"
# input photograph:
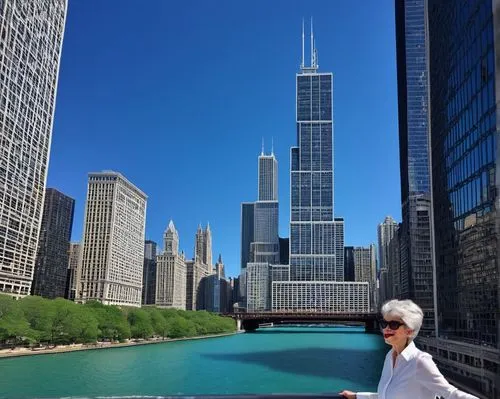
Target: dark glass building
(349, 264)
(247, 231)
(149, 273)
(416, 278)
(284, 250)
(465, 84)
(51, 265)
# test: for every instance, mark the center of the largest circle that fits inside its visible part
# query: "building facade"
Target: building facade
(51, 266)
(349, 264)
(385, 233)
(74, 255)
(413, 111)
(247, 231)
(28, 85)
(365, 270)
(149, 273)
(195, 272)
(316, 236)
(203, 247)
(258, 287)
(464, 72)
(171, 272)
(112, 257)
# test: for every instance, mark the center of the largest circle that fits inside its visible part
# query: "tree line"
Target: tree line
(33, 320)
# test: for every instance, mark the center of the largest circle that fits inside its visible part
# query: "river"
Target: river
(272, 360)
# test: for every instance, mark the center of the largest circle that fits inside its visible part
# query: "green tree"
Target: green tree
(140, 323)
(13, 325)
(112, 322)
(158, 322)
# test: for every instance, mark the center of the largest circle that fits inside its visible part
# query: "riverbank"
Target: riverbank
(17, 352)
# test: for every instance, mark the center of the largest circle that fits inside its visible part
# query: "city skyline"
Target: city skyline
(142, 114)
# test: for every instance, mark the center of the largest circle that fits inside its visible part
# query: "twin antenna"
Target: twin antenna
(314, 52)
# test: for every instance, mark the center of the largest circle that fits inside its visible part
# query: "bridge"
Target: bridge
(251, 321)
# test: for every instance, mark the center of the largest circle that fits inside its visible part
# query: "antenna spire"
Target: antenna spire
(312, 44)
(302, 63)
(272, 146)
(262, 151)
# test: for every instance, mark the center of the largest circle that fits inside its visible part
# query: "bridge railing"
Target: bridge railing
(236, 396)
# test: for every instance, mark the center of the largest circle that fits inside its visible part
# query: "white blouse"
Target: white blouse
(415, 376)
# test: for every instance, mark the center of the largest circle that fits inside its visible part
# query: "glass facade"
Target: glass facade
(51, 266)
(313, 253)
(416, 272)
(465, 148)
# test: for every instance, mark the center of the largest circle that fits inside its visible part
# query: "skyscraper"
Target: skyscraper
(149, 273)
(385, 233)
(316, 237)
(111, 263)
(464, 74)
(365, 270)
(203, 247)
(349, 264)
(28, 85)
(51, 266)
(265, 245)
(413, 90)
(247, 231)
(171, 272)
(74, 255)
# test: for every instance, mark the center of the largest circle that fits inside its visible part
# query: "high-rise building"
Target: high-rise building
(349, 264)
(394, 268)
(385, 233)
(268, 177)
(316, 236)
(464, 72)
(74, 255)
(413, 110)
(195, 272)
(247, 231)
(365, 270)
(258, 284)
(51, 266)
(30, 51)
(284, 243)
(111, 262)
(219, 267)
(149, 273)
(203, 247)
(171, 272)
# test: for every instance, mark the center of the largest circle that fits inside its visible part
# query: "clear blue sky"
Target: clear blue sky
(178, 95)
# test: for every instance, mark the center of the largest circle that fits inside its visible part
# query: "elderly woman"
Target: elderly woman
(408, 372)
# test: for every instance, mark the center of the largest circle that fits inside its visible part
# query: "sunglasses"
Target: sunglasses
(393, 324)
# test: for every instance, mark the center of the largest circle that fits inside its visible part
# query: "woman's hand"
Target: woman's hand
(348, 394)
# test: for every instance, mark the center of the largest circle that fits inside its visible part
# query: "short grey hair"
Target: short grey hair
(408, 311)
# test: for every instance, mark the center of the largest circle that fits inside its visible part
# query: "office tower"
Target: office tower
(413, 110)
(394, 268)
(247, 231)
(258, 283)
(219, 267)
(464, 76)
(203, 247)
(111, 264)
(349, 264)
(149, 273)
(284, 244)
(51, 266)
(28, 85)
(365, 270)
(215, 293)
(171, 272)
(268, 177)
(385, 233)
(74, 255)
(265, 244)
(195, 272)
(316, 237)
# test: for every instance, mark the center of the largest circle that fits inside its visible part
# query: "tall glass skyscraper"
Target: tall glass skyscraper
(316, 270)
(464, 76)
(30, 48)
(313, 255)
(416, 279)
